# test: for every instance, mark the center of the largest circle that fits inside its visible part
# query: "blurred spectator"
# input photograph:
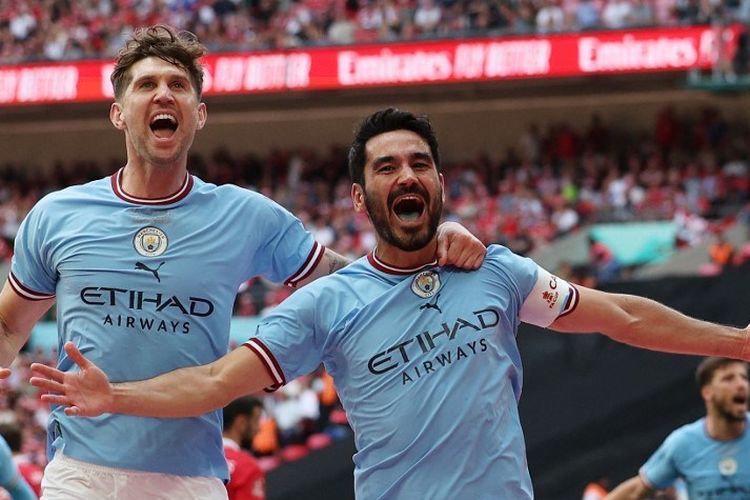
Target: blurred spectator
(605, 263)
(241, 423)
(550, 17)
(617, 14)
(587, 15)
(721, 251)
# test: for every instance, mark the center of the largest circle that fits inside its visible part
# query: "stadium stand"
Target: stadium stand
(64, 30)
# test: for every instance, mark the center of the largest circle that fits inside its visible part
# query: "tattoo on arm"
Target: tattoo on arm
(335, 264)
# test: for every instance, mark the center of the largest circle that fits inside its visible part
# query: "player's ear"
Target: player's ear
(442, 185)
(358, 197)
(116, 116)
(202, 115)
(706, 392)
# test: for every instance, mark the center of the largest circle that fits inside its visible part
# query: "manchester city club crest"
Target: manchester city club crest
(426, 284)
(728, 466)
(150, 241)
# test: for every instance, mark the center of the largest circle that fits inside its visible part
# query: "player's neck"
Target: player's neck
(394, 256)
(723, 429)
(143, 181)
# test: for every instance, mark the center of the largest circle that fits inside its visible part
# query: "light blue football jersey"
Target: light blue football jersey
(711, 469)
(427, 367)
(147, 286)
(10, 477)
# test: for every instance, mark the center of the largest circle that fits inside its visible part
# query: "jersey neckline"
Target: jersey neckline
(399, 271)
(182, 192)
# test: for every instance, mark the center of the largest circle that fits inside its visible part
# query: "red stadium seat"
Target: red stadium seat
(294, 452)
(318, 441)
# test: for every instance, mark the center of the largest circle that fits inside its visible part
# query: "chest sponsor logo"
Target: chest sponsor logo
(150, 241)
(437, 348)
(146, 311)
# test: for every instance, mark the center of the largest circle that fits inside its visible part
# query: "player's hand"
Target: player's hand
(456, 246)
(85, 393)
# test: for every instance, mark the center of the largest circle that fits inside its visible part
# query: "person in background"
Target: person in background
(241, 422)
(712, 454)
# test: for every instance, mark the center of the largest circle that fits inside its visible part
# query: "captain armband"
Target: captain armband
(551, 298)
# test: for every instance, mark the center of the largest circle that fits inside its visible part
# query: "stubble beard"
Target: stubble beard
(409, 240)
(726, 413)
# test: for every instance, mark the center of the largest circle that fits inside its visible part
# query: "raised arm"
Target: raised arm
(642, 322)
(185, 392)
(17, 317)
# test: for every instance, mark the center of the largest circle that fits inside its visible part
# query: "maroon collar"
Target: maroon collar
(402, 271)
(182, 192)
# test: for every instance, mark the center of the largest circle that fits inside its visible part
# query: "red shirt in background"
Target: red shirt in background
(246, 479)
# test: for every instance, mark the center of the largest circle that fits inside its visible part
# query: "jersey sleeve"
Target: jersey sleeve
(10, 478)
(290, 341)
(32, 274)
(289, 253)
(541, 296)
(659, 471)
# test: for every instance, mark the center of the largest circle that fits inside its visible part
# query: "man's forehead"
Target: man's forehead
(155, 66)
(396, 143)
(735, 366)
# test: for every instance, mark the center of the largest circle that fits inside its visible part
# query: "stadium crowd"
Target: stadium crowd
(553, 180)
(65, 29)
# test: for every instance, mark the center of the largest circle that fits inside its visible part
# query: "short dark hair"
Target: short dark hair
(180, 48)
(704, 374)
(240, 406)
(380, 122)
(12, 434)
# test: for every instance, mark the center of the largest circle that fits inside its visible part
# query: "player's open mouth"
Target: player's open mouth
(409, 208)
(163, 125)
(740, 400)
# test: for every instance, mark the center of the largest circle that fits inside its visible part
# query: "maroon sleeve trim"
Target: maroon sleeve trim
(269, 361)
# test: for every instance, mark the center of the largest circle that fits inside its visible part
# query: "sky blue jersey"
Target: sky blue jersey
(10, 477)
(427, 367)
(711, 469)
(146, 286)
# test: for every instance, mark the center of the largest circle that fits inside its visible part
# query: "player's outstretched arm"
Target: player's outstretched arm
(632, 489)
(17, 317)
(185, 392)
(457, 246)
(642, 322)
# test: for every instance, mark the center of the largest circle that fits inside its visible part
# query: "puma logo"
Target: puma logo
(144, 267)
(432, 305)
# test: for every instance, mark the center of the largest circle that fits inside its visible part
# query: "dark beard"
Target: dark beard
(411, 240)
(727, 414)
